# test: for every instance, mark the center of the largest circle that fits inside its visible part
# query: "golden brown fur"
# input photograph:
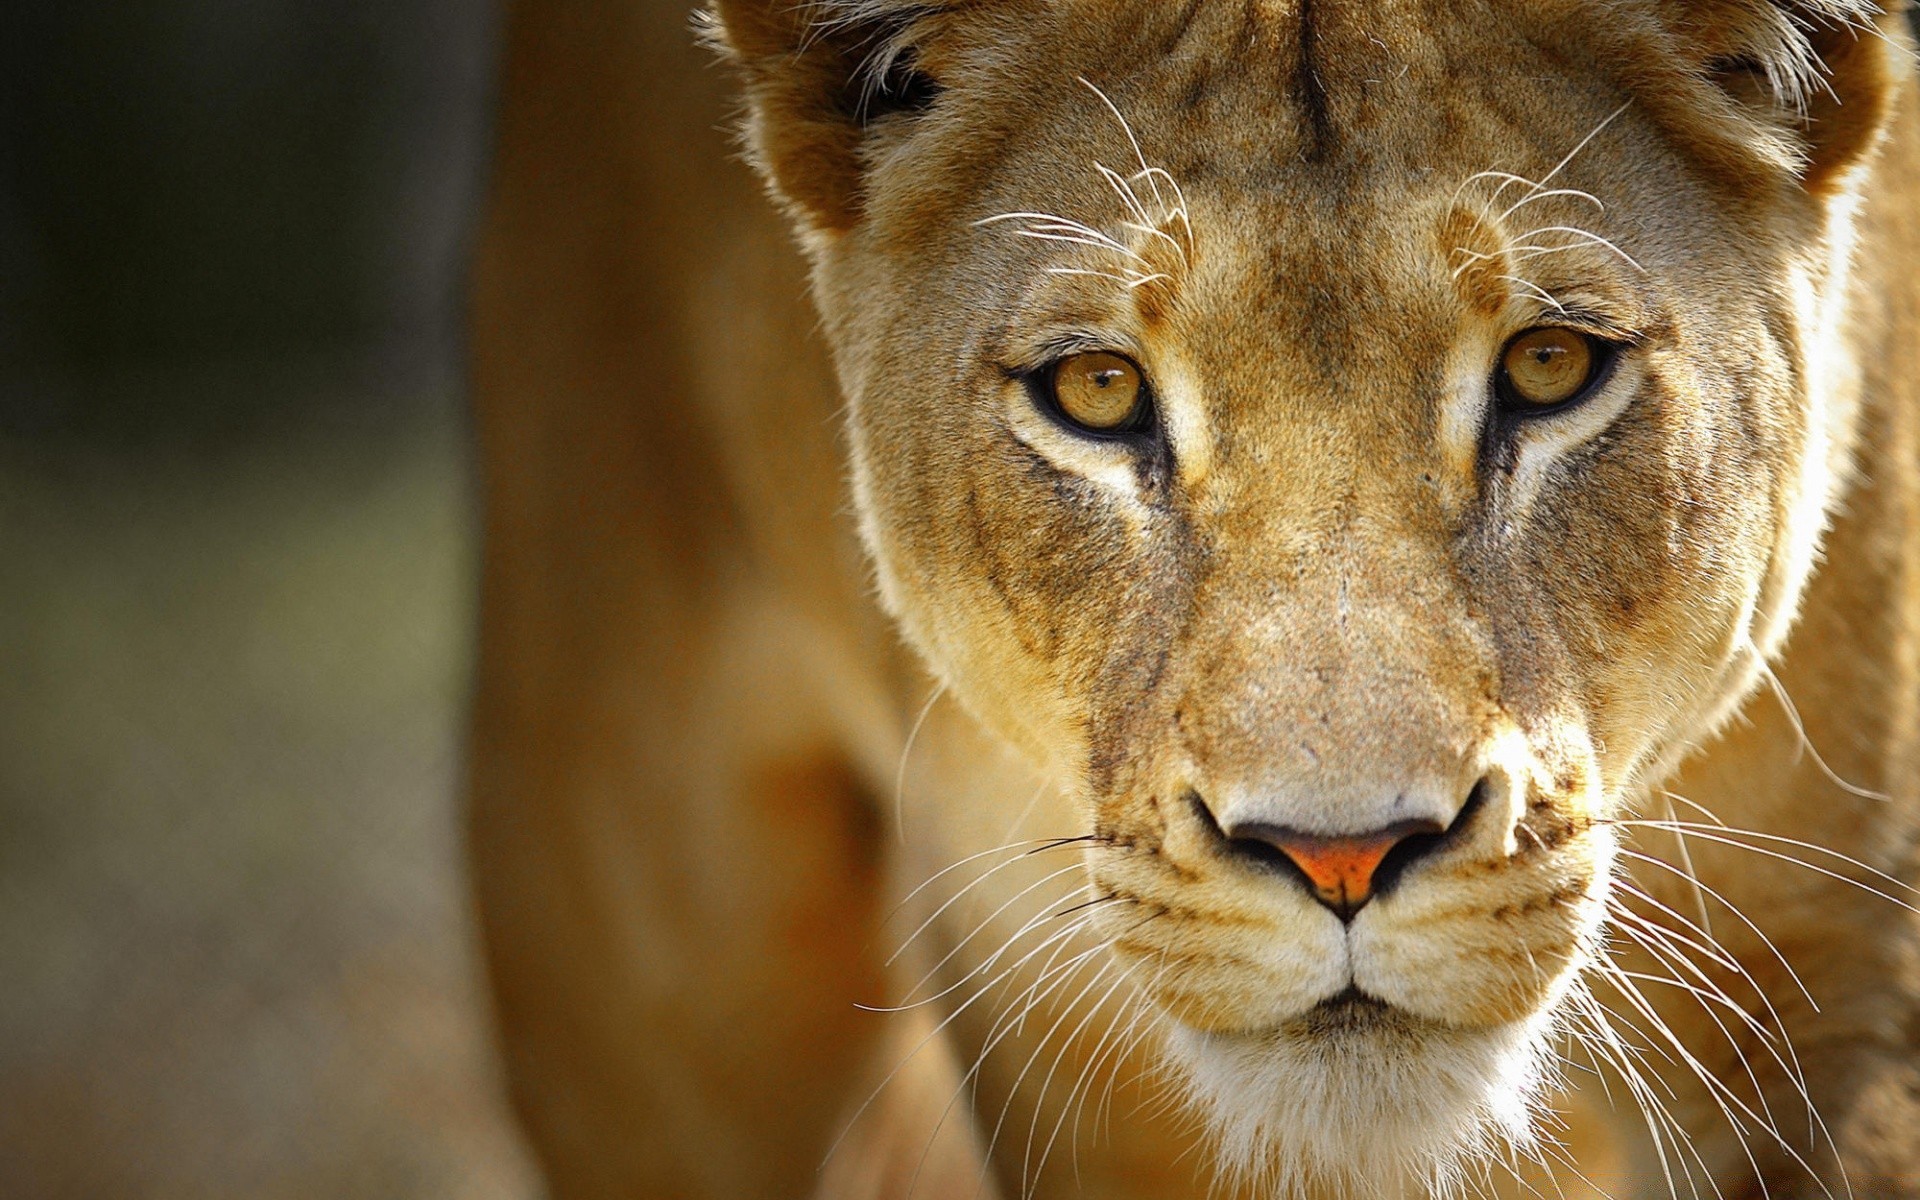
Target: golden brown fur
(1335, 590)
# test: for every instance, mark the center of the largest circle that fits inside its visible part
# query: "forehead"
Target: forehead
(1327, 139)
(1333, 99)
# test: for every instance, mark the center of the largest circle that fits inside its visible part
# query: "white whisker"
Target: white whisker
(1054, 978)
(1125, 191)
(1534, 290)
(1800, 729)
(1548, 193)
(1133, 141)
(1726, 836)
(1018, 896)
(1534, 250)
(906, 751)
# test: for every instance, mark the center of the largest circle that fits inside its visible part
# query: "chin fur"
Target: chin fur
(1358, 1100)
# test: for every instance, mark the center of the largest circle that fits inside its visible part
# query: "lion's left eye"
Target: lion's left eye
(1549, 367)
(1099, 392)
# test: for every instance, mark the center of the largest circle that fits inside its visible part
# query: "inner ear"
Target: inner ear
(1822, 73)
(900, 88)
(1847, 114)
(1745, 79)
(819, 77)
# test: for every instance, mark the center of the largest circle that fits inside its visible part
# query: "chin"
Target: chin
(1358, 1098)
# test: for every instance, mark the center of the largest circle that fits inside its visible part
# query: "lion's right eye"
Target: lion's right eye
(1099, 392)
(1549, 368)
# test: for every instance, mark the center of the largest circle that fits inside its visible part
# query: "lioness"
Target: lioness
(1406, 517)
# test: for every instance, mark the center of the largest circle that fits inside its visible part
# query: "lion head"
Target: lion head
(1357, 445)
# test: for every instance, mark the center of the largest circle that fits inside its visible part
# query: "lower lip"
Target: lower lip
(1350, 1011)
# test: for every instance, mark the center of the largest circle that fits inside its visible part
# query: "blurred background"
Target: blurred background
(236, 557)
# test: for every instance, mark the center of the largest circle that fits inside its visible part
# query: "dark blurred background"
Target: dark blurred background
(236, 553)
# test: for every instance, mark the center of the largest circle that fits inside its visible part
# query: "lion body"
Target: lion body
(708, 780)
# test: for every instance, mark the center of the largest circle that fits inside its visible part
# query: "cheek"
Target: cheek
(1653, 542)
(1022, 583)
(1486, 950)
(1041, 551)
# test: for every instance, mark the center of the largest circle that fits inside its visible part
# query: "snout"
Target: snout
(1333, 789)
(1345, 870)
(1468, 909)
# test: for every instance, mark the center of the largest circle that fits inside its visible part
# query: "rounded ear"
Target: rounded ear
(1848, 114)
(818, 75)
(1822, 74)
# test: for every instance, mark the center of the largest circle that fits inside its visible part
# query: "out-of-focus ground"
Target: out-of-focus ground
(237, 946)
(237, 549)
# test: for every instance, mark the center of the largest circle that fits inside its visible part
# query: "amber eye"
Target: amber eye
(1099, 391)
(1549, 366)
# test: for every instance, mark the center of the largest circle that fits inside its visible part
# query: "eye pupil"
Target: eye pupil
(1098, 391)
(1548, 367)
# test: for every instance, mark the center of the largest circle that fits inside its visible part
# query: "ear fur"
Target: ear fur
(1814, 80)
(818, 74)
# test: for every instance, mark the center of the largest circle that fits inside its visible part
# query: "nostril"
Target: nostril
(1340, 870)
(1253, 848)
(1207, 820)
(1344, 871)
(1412, 849)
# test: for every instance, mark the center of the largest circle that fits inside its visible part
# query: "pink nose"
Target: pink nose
(1341, 869)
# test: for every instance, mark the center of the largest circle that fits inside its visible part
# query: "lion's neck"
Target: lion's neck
(1830, 757)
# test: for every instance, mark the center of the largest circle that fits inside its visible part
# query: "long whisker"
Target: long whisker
(1053, 978)
(1667, 946)
(900, 775)
(922, 1044)
(1720, 956)
(1125, 191)
(1009, 1027)
(1733, 908)
(1792, 711)
(1716, 953)
(1129, 281)
(1133, 141)
(1729, 836)
(1710, 997)
(1027, 810)
(992, 961)
(1011, 1024)
(1662, 1127)
(1028, 846)
(1581, 145)
(954, 899)
(1531, 249)
(1018, 896)
(1686, 862)
(1103, 242)
(1153, 231)
(1535, 290)
(1505, 178)
(1144, 1023)
(1788, 1062)
(1629, 1058)
(1723, 1096)
(1066, 1106)
(1549, 193)
(1045, 220)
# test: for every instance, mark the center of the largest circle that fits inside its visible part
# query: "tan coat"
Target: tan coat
(1341, 582)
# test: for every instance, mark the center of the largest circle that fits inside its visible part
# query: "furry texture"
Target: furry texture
(1336, 587)
(1428, 1105)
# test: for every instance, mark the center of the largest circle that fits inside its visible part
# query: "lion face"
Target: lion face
(1355, 467)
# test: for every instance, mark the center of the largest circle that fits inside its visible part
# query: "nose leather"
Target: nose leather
(1340, 869)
